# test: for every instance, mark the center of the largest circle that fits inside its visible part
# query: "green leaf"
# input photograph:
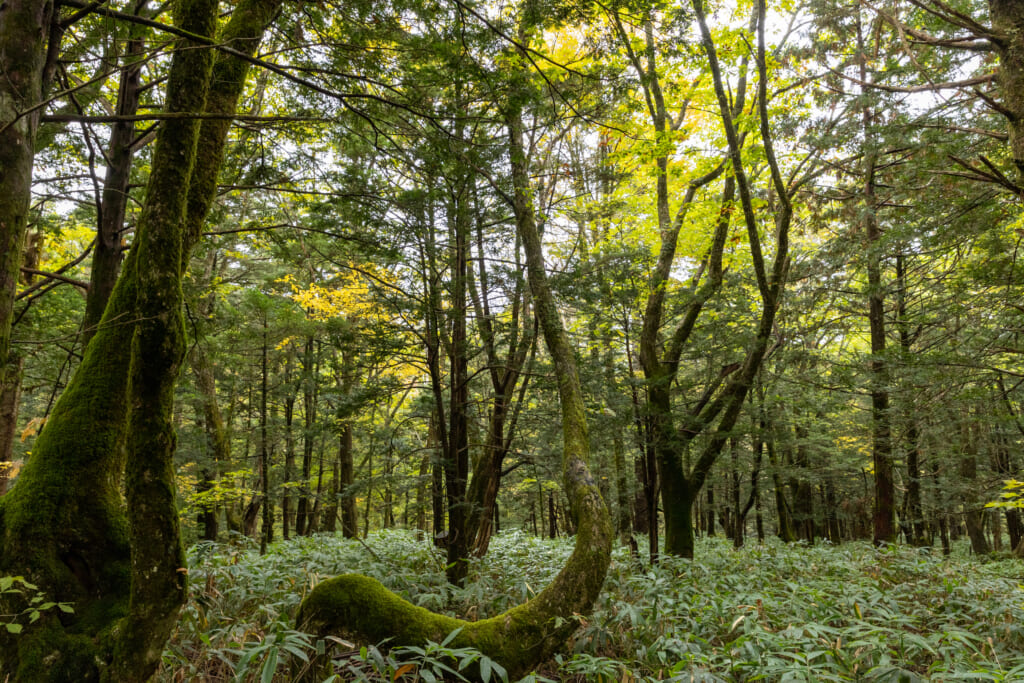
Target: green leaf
(13, 628)
(269, 667)
(451, 636)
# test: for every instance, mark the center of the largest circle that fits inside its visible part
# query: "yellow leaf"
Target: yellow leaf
(402, 670)
(33, 427)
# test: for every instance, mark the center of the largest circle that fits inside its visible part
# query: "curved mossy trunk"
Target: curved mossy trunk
(64, 525)
(527, 635)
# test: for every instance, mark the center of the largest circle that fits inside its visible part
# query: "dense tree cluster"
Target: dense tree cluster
(652, 270)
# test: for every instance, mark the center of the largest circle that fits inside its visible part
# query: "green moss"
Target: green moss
(59, 657)
(365, 609)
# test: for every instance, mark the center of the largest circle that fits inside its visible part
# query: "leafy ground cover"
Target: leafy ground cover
(764, 613)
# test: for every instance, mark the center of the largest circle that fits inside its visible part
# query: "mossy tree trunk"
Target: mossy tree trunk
(527, 635)
(25, 36)
(1008, 22)
(64, 524)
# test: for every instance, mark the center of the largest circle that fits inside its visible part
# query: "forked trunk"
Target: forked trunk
(65, 525)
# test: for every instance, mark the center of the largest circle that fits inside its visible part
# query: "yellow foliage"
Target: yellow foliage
(32, 428)
(348, 295)
(67, 244)
(1011, 497)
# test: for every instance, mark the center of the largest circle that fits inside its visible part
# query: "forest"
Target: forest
(543, 340)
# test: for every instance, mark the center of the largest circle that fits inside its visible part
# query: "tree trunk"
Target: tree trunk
(456, 459)
(305, 508)
(10, 398)
(331, 513)
(1008, 20)
(884, 516)
(528, 634)
(107, 249)
(786, 532)
(974, 513)
(263, 456)
(439, 526)
(754, 498)
(288, 518)
(26, 31)
(709, 511)
(803, 491)
(65, 525)
(421, 497)
(346, 479)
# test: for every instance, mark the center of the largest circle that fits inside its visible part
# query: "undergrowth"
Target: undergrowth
(764, 613)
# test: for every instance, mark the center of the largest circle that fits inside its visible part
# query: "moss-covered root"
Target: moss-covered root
(361, 609)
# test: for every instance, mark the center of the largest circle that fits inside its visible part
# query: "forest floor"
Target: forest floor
(767, 612)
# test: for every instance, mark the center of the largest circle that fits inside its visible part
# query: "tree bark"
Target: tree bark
(26, 36)
(288, 516)
(108, 250)
(1008, 20)
(785, 530)
(303, 517)
(263, 454)
(10, 396)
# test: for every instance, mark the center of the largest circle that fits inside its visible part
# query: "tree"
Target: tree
(29, 40)
(63, 525)
(528, 634)
(717, 410)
